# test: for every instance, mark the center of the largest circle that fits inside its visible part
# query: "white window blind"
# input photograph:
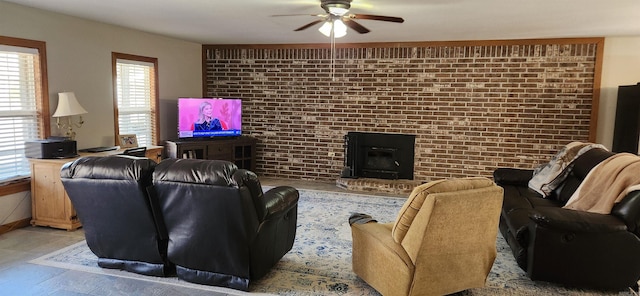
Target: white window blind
(18, 108)
(135, 97)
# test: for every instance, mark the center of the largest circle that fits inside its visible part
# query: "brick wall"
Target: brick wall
(473, 106)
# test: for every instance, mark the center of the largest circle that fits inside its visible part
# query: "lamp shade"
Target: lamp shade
(68, 105)
(338, 27)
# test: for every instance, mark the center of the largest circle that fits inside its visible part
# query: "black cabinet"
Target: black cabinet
(627, 125)
(240, 150)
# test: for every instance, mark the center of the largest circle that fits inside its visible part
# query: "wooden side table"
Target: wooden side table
(50, 204)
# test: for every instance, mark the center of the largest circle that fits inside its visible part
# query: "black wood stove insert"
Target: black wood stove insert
(378, 155)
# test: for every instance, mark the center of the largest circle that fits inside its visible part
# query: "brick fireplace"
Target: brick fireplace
(472, 106)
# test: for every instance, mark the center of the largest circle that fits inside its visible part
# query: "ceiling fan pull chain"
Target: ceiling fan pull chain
(333, 52)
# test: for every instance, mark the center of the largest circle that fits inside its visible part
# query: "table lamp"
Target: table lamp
(68, 106)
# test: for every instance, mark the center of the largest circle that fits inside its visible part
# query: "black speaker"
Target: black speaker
(50, 148)
(627, 125)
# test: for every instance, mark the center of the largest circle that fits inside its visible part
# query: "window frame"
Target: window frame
(42, 101)
(155, 101)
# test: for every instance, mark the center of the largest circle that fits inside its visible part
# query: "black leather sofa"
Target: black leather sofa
(574, 248)
(223, 229)
(205, 221)
(120, 219)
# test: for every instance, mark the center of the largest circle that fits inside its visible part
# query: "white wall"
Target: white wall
(15, 207)
(79, 60)
(621, 66)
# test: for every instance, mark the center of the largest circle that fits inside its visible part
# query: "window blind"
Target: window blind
(135, 97)
(18, 109)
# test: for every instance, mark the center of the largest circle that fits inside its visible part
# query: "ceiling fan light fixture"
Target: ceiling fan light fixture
(325, 29)
(338, 27)
(336, 7)
(339, 11)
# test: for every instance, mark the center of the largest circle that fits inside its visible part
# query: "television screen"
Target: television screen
(209, 117)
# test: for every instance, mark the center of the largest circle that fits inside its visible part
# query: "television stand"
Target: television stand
(239, 150)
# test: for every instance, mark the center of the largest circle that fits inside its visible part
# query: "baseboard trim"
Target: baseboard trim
(15, 225)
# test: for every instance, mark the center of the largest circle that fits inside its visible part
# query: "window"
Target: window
(136, 97)
(24, 102)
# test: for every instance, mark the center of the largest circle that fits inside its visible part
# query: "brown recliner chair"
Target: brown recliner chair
(443, 240)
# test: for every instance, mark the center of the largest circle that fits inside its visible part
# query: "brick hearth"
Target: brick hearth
(397, 187)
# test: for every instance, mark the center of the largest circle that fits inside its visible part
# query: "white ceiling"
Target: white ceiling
(251, 21)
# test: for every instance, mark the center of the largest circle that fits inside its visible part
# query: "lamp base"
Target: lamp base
(70, 133)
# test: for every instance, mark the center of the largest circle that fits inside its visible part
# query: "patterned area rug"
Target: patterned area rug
(320, 261)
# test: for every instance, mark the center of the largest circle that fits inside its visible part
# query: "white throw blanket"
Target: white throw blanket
(606, 184)
(547, 178)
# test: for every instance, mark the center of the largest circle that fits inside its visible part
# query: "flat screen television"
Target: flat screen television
(209, 117)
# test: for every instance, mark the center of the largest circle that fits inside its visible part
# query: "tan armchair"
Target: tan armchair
(443, 240)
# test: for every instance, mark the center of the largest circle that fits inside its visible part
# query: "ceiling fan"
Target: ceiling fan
(337, 19)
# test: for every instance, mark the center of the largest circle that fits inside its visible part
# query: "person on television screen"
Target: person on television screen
(206, 121)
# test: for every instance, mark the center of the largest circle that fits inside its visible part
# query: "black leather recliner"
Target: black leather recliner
(565, 246)
(223, 230)
(121, 220)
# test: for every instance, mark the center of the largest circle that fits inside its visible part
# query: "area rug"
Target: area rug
(320, 261)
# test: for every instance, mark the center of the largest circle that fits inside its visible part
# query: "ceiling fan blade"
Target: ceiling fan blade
(357, 27)
(377, 18)
(318, 15)
(309, 25)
